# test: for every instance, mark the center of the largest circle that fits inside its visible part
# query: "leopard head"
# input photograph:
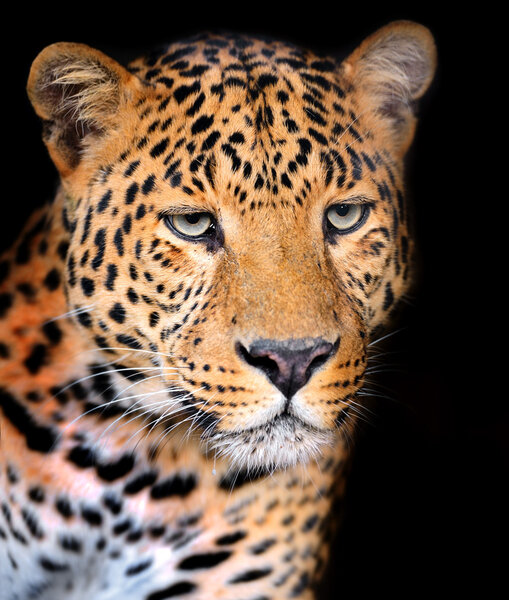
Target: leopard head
(237, 223)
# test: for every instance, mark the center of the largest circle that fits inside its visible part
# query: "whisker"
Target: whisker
(129, 410)
(134, 350)
(384, 337)
(70, 313)
(116, 400)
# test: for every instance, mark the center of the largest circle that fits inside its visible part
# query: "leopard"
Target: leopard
(186, 328)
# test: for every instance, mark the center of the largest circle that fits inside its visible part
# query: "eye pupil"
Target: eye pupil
(342, 210)
(193, 218)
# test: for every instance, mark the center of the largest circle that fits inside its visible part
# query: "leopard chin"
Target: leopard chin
(283, 442)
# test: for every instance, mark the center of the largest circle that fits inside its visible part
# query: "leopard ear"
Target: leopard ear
(76, 91)
(393, 68)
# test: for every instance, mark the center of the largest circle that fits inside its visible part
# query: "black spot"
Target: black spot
(251, 575)
(235, 479)
(177, 485)
(78, 390)
(62, 249)
(118, 240)
(266, 80)
(122, 526)
(138, 567)
(195, 107)
(112, 273)
(52, 280)
(203, 561)
(300, 586)
(285, 180)
(231, 538)
(129, 341)
(63, 506)
(154, 319)
(117, 313)
(182, 92)
(177, 589)
(209, 143)
(388, 297)
(91, 516)
(232, 154)
(84, 318)
(88, 286)
(141, 481)
(141, 211)
(43, 247)
(134, 536)
(52, 566)
(131, 192)
(5, 303)
(112, 502)
(202, 124)
(39, 438)
(82, 456)
(52, 332)
(101, 544)
(356, 163)
(157, 531)
(321, 139)
(70, 543)
(72, 272)
(262, 546)
(101, 382)
(132, 295)
(36, 494)
(34, 396)
(148, 185)
(315, 116)
(159, 148)
(104, 202)
(32, 524)
(4, 350)
(86, 225)
(100, 242)
(310, 522)
(116, 469)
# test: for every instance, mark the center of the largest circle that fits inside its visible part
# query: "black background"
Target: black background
(425, 505)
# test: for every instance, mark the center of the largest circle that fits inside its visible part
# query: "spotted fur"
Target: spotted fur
(175, 410)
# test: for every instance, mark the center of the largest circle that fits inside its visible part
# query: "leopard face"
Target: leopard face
(238, 225)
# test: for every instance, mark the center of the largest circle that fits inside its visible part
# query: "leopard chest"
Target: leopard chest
(128, 527)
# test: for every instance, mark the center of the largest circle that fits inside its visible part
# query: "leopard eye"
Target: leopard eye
(192, 225)
(345, 218)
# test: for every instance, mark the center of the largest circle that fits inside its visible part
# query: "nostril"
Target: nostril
(324, 353)
(262, 362)
(316, 363)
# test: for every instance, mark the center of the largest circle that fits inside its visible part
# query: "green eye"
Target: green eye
(344, 218)
(191, 225)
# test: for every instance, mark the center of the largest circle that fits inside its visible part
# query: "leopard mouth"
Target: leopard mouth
(282, 442)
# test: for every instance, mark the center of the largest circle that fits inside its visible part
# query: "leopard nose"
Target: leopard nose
(289, 364)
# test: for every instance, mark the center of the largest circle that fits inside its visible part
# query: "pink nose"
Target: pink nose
(289, 364)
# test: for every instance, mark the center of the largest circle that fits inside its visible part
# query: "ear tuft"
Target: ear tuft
(76, 91)
(79, 91)
(394, 67)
